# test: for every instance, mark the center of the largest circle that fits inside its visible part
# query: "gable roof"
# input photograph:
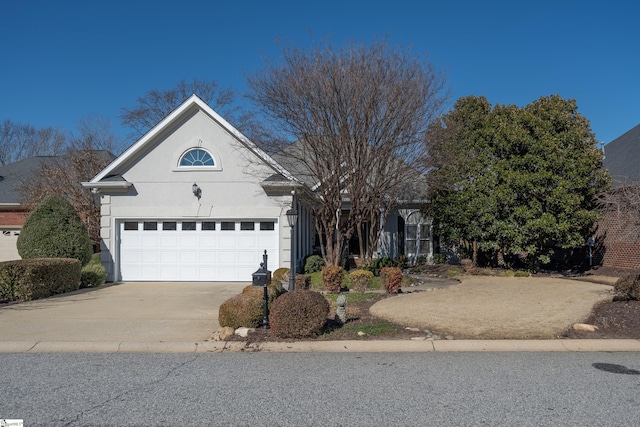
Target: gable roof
(622, 157)
(192, 103)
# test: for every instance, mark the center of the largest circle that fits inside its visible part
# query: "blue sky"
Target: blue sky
(62, 60)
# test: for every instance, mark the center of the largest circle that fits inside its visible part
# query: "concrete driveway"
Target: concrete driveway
(132, 311)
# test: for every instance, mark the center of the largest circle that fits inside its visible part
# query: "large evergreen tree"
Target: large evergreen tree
(54, 230)
(512, 180)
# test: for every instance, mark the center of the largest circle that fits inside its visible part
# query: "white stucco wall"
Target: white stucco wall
(162, 190)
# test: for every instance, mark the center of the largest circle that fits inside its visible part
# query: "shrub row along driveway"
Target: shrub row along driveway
(140, 312)
(483, 307)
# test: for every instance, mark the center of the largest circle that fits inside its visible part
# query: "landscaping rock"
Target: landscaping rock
(448, 337)
(584, 327)
(225, 333)
(244, 332)
(412, 329)
(418, 338)
(361, 334)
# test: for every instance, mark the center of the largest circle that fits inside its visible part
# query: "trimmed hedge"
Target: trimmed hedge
(360, 280)
(332, 278)
(391, 279)
(299, 314)
(36, 278)
(628, 287)
(54, 230)
(246, 309)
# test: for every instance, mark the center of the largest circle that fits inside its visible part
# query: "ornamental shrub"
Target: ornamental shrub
(313, 264)
(247, 308)
(299, 314)
(54, 230)
(30, 279)
(93, 274)
(628, 287)
(360, 280)
(332, 278)
(281, 274)
(302, 281)
(391, 279)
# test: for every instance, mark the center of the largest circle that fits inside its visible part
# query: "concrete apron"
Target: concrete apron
(124, 312)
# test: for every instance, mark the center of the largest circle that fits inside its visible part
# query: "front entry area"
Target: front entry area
(195, 250)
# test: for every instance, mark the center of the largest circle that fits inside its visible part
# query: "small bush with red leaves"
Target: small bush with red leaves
(302, 281)
(299, 314)
(247, 309)
(628, 287)
(391, 279)
(332, 278)
(360, 280)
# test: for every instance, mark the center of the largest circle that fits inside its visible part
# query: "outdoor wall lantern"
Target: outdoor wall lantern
(292, 219)
(196, 190)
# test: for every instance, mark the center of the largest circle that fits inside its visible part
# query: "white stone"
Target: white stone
(418, 338)
(412, 329)
(244, 332)
(361, 334)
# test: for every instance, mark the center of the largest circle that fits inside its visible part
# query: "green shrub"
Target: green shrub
(302, 282)
(281, 275)
(437, 259)
(521, 273)
(299, 314)
(92, 275)
(628, 287)
(378, 264)
(401, 261)
(391, 279)
(454, 271)
(332, 278)
(30, 279)
(313, 264)
(247, 308)
(54, 230)
(360, 280)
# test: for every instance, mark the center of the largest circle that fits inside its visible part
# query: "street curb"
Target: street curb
(387, 346)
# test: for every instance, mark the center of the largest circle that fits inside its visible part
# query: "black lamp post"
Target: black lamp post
(292, 218)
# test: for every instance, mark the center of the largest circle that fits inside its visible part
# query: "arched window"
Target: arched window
(196, 157)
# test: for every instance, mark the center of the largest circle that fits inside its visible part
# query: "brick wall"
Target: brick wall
(617, 242)
(13, 218)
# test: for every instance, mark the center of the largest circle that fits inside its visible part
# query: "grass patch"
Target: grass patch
(373, 329)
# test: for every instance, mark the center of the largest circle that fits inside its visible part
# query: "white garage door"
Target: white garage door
(201, 250)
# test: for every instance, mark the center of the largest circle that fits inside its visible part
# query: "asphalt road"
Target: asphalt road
(324, 389)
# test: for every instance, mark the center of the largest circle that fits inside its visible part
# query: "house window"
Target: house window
(196, 157)
(247, 226)
(150, 226)
(188, 226)
(417, 236)
(131, 225)
(169, 226)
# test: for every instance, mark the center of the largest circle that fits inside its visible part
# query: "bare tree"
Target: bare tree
(623, 202)
(358, 115)
(156, 104)
(19, 141)
(89, 151)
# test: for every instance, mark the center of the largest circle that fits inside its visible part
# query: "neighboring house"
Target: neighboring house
(617, 234)
(12, 213)
(195, 200)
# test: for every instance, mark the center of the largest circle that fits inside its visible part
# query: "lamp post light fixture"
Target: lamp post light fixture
(292, 218)
(196, 190)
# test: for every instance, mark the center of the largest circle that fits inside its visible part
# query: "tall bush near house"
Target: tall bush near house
(391, 279)
(332, 278)
(54, 230)
(360, 280)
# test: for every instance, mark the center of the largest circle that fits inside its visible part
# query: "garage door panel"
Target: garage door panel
(179, 254)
